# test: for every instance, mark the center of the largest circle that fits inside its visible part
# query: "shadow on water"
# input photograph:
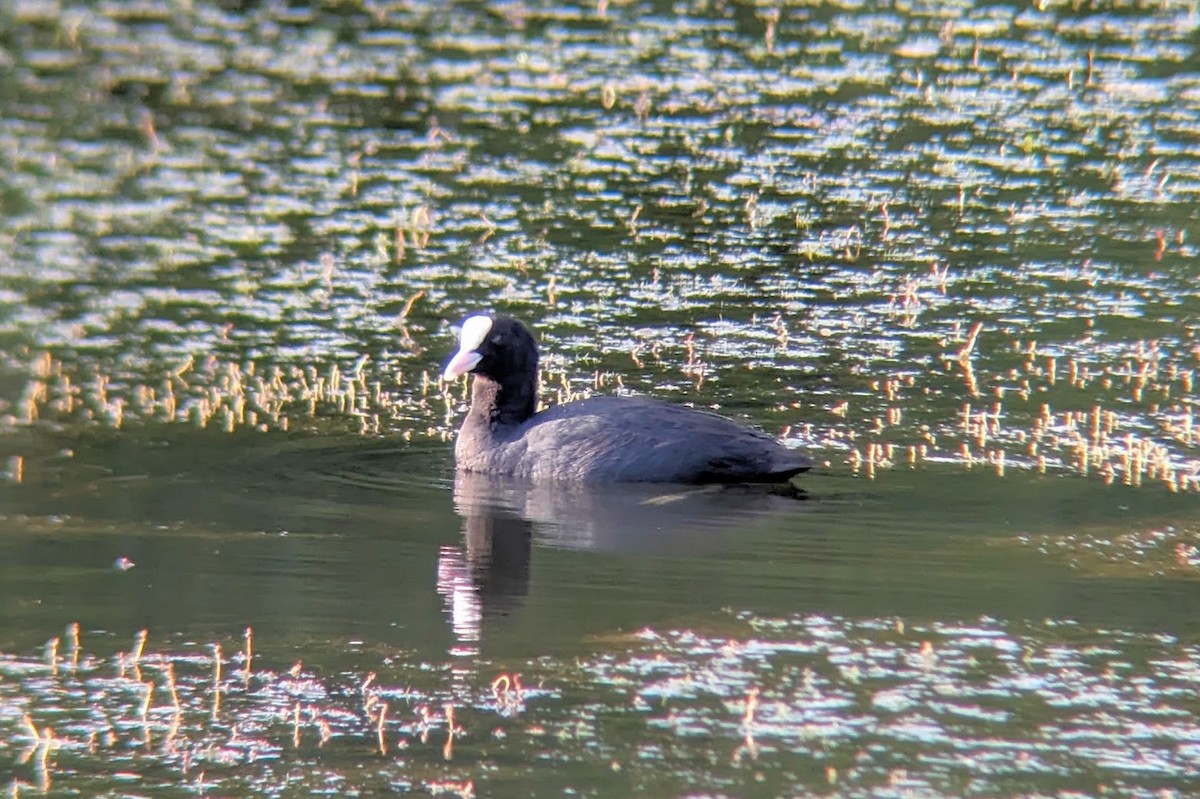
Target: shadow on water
(310, 538)
(631, 518)
(326, 540)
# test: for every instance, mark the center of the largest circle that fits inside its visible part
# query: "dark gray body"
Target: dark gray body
(621, 439)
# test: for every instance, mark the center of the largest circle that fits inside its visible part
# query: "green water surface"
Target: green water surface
(946, 248)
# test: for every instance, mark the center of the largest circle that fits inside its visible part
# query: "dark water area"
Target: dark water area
(620, 631)
(945, 248)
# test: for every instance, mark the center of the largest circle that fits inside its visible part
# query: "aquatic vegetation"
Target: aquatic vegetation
(1140, 426)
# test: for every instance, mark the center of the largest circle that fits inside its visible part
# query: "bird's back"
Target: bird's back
(634, 439)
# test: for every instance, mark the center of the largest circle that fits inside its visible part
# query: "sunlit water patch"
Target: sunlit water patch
(799, 212)
(874, 707)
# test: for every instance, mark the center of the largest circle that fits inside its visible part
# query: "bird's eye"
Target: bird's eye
(497, 339)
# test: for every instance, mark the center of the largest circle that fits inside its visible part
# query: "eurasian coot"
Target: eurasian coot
(611, 439)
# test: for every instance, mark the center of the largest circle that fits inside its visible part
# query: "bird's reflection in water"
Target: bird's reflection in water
(489, 575)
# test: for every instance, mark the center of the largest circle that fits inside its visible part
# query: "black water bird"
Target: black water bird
(599, 439)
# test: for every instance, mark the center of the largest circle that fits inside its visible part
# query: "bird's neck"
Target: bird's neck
(495, 405)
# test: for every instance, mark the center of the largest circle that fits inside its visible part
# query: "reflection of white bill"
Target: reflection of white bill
(457, 587)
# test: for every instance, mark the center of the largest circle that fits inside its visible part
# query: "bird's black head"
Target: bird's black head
(503, 355)
(498, 347)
